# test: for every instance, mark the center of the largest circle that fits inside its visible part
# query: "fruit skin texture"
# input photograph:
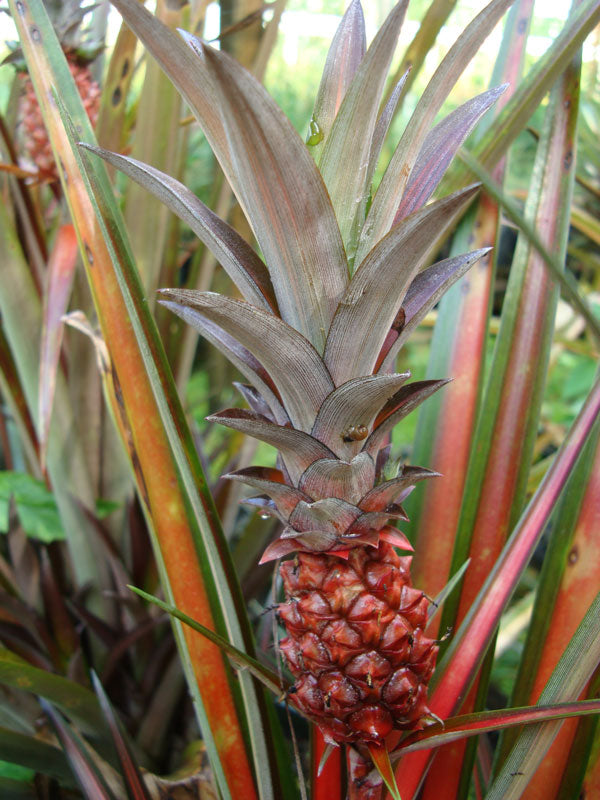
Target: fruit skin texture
(356, 644)
(36, 142)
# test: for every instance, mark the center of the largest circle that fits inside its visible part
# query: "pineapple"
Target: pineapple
(341, 285)
(67, 18)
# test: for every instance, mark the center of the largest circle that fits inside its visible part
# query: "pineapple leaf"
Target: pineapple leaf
(235, 255)
(573, 671)
(565, 280)
(184, 68)
(329, 748)
(425, 291)
(345, 159)
(298, 449)
(381, 759)
(346, 416)
(239, 356)
(440, 147)
(61, 271)
(290, 213)
(436, 604)
(584, 17)
(343, 59)
(270, 482)
(390, 191)
(82, 763)
(465, 725)
(329, 477)
(238, 658)
(394, 490)
(294, 365)
(484, 615)
(468, 646)
(407, 399)
(136, 788)
(383, 125)
(377, 289)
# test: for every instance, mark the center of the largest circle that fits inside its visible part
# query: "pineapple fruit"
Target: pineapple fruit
(67, 18)
(342, 282)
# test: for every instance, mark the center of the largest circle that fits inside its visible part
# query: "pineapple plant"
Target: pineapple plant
(340, 283)
(343, 283)
(67, 18)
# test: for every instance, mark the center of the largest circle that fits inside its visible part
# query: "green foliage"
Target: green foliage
(35, 506)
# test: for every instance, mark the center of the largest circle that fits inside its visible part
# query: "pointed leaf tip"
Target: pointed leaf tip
(381, 760)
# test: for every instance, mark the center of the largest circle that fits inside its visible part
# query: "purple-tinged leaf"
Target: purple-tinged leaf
(334, 478)
(270, 482)
(385, 493)
(407, 399)
(136, 788)
(377, 289)
(290, 213)
(390, 191)
(235, 255)
(279, 549)
(256, 401)
(486, 721)
(239, 356)
(346, 416)
(297, 448)
(345, 159)
(440, 147)
(292, 362)
(425, 291)
(61, 270)
(375, 521)
(81, 762)
(343, 59)
(330, 514)
(383, 125)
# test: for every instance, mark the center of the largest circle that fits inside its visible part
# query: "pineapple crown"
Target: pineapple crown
(344, 281)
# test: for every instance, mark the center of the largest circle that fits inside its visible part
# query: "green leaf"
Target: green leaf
(33, 755)
(240, 659)
(74, 700)
(36, 506)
